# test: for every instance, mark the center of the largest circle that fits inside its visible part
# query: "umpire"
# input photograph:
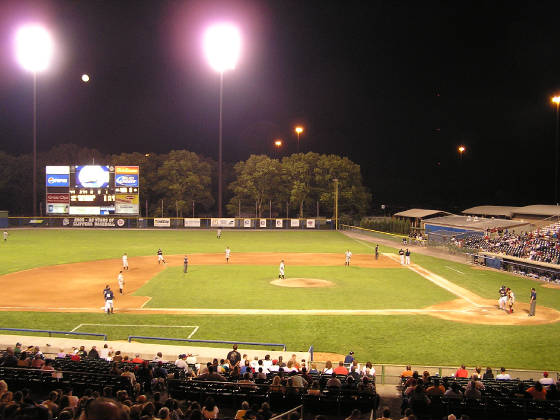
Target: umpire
(533, 302)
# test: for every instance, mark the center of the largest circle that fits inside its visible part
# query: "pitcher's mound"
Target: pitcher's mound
(298, 282)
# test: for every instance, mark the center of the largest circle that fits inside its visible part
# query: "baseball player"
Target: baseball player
(109, 296)
(160, 258)
(510, 299)
(377, 251)
(503, 298)
(125, 261)
(228, 253)
(401, 254)
(281, 270)
(5, 234)
(185, 264)
(407, 257)
(219, 234)
(347, 256)
(120, 280)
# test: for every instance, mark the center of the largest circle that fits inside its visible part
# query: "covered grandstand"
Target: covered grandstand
(502, 212)
(417, 216)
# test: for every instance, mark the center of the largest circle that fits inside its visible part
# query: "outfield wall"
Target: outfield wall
(118, 222)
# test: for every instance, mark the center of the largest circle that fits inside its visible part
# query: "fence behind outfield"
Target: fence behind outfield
(128, 222)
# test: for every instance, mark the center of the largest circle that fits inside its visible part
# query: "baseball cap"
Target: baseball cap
(351, 352)
(545, 373)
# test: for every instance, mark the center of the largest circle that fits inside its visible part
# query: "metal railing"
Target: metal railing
(50, 332)
(190, 340)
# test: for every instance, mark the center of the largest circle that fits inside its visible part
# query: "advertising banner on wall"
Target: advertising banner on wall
(127, 170)
(294, 223)
(57, 170)
(126, 203)
(310, 223)
(58, 208)
(223, 223)
(58, 198)
(162, 222)
(58, 180)
(93, 222)
(126, 180)
(246, 223)
(279, 223)
(192, 222)
(85, 210)
(262, 223)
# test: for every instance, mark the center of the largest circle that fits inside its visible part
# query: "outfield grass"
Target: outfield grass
(238, 286)
(381, 339)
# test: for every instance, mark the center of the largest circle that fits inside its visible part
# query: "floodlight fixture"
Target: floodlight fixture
(34, 48)
(222, 45)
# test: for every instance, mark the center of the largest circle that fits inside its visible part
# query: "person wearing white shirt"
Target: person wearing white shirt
(503, 375)
(545, 380)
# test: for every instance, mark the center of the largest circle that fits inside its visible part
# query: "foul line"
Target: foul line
(145, 303)
(141, 325)
(457, 271)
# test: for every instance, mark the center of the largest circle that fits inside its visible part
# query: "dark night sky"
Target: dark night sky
(394, 85)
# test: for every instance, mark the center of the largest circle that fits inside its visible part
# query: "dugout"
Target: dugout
(3, 219)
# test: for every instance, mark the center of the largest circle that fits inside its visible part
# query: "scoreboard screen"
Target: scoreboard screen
(92, 190)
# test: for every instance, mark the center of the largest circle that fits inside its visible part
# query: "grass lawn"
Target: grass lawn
(238, 286)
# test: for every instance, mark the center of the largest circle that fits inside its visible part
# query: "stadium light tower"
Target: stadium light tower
(461, 150)
(222, 44)
(556, 100)
(34, 49)
(298, 131)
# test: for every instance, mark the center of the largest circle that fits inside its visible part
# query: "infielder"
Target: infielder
(407, 257)
(401, 254)
(5, 235)
(219, 234)
(120, 280)
(377, 251)
(125, 261)
(281, 270)
(160, 257)
(347, 256)
(503, 298)
(109, 296)
(185, 264)
(228, 253)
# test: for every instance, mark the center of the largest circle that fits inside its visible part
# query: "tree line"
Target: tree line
(299, 185)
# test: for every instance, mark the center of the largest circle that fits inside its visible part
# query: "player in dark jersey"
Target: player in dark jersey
(109, 297)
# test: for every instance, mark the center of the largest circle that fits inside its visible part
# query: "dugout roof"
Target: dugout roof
(419, 213)
(497, 211)
(474, 223)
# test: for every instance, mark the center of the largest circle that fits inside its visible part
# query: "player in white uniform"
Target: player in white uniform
(401, 254)
(281, 270)
(120, 280)
(125, 261)
(219, 234)
(510, 300)
(160, 257)
(347, 256)
(228, 253)
(503, 298)
(5, 235)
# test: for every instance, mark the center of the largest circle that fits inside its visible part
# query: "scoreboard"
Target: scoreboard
(90, 190)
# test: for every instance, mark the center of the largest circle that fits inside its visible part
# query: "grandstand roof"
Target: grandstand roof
(474, 223)
(539, 210)
(419, 213)
(506, 211)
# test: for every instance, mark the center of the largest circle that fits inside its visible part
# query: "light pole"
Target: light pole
(461, 150)
(336, 203)
(298, 130)
(277, 145)
(222, 44)
(34, 49)
(556, 100)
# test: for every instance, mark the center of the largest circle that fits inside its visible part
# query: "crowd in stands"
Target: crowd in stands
(144, 387)
(542, 245)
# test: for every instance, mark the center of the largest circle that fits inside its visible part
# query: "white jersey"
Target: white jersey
(120, 279)
(348, 255)
(228, 252)
(281, 268)
(5, 235)
(125, 261)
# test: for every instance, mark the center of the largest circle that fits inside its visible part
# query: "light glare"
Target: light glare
(85, 78)
(299, 130)
(34, 48)
(222, 44)
(556, 99)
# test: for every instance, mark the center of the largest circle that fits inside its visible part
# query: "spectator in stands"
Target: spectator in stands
(315, 389)
(51, 403)
(537, 391)
(61, 354)
(454, 391)
(246, 367)
(520, 392)
(8, 358)
(366, 386)
(24, 360)
(545, 380)
(341, 369)
(72, 399)
(276, 385)
(102, 409)
(313, 370)
(436, 389)
(163, 413)
(334, 382)
(290, 367)
(137, 359)
(82, 352)
(472, 392)
(104, 352)
(370, 370)
(93, 353)
(264, 411)
(414, 378)
(3, 387)
(144, 376)
(240, 415)
(407, 373)
(328, 368)
(212, 375)
(426, 376)
(233, 357)
(552, 393)
(349, 359)
(281, 362)
(37, 362)
(488, 374)
(210, 409)
(299, 381)
(503, 376)
(462, 372)
(128, 373)
(118, 356)
(181, 362)
(354, 374)
(386, 414)
(419, 401)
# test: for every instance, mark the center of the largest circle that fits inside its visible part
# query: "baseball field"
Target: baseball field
(432, 312)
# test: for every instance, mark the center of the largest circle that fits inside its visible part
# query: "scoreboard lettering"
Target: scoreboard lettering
(92, 189)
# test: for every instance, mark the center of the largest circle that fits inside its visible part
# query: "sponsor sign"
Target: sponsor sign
(162, 222)
(126, 180)
(310, 223)
(85, 210)
(262, 223)
(92, 222)
(57, 170)
(127, 199)
(58, 180)
(36, 221)
(294, 223)
(58, 198)
(53, 208)
(222, 222)
(247, 223)
(126, 208)
(279, 223)
(92, 176)
(127, 170)
(192, 222)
